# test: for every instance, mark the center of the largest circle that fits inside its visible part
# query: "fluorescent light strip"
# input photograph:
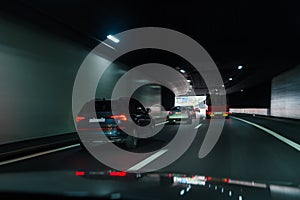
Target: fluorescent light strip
(114, 39)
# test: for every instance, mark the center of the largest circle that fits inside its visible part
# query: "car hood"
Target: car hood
(123, 185)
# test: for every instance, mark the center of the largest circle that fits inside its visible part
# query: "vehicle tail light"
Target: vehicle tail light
(80, 173)
(117, 173)
(208, 113)
(170, 112)
(227, 113)
(226, 180)
(79, 118)
(120, 117)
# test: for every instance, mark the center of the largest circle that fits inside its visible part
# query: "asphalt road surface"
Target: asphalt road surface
(249, 148)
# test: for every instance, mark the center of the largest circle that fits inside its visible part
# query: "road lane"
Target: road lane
(288, 128)
(276, 135)
(242, 152)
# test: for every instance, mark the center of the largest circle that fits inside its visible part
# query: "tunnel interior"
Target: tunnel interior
(42, 50)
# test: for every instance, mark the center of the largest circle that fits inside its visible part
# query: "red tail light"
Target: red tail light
(208, 178)
(80, 173)
(79, 118)
(117, 173)
(120, 117)
(226, 180)
(208, 113)
(227, 113)
(170, 112)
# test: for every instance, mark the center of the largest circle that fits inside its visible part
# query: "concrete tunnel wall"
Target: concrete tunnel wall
(37, 72)
(285, 96)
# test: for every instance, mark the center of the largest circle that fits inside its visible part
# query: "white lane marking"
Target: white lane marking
(276, 135)
(37, 154)
(147, 160)
(161, 123)
(198, 126)
(102, 141)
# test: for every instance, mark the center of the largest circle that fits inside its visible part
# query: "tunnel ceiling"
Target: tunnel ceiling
(262, 37)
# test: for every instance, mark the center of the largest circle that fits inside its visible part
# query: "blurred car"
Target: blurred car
(113, 125)
(192, 111)
(179, 113)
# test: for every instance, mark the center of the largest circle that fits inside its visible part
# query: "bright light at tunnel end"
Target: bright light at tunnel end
(114, 39)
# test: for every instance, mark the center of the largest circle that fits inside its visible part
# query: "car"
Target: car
(114, 125)
(192, 111)
(179, 113)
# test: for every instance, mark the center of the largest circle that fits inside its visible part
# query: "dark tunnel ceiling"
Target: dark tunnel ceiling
(261, 36)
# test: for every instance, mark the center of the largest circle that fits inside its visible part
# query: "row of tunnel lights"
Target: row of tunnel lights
(230, 78)
(116, 40)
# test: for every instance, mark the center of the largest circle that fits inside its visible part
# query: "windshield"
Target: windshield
(192, 98)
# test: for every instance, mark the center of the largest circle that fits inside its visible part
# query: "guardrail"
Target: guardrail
(26, 147)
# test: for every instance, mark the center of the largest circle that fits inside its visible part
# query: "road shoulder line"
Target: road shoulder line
(37, 154)
(274, 134)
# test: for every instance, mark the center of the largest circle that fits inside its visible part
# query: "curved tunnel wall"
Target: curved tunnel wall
(37, 73)
(285, 101)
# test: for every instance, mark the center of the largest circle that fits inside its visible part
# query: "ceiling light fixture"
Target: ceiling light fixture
(114, 39)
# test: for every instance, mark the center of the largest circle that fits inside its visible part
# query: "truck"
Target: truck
(218, 109)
